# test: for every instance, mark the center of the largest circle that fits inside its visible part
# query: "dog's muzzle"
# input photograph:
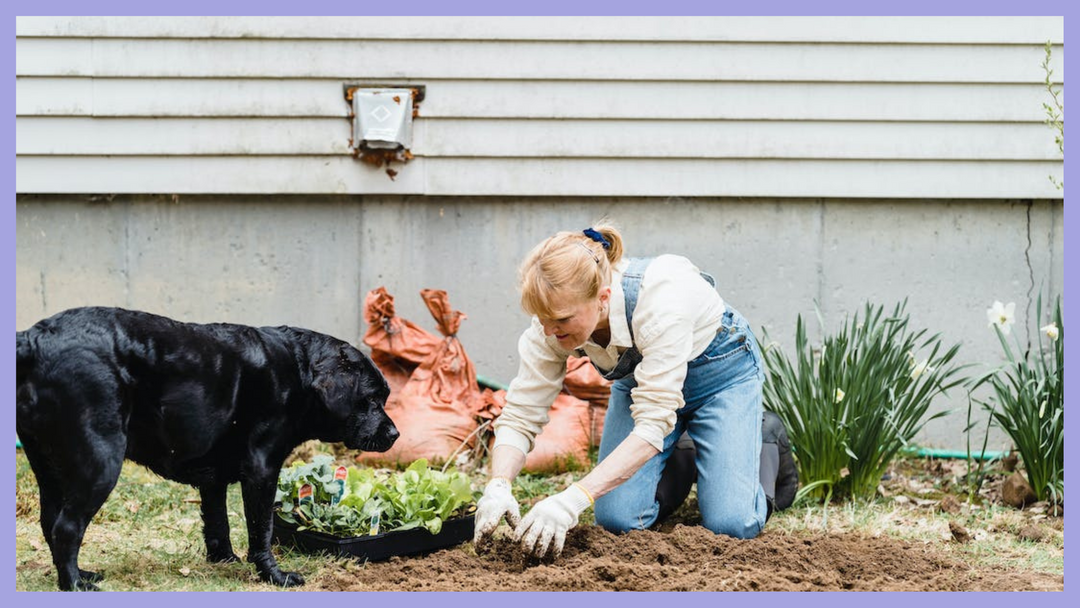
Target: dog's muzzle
(379, 440)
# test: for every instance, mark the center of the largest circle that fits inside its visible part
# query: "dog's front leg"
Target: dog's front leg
(258, 489)
(215, 516)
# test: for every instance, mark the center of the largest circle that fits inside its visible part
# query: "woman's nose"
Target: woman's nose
(549, 329)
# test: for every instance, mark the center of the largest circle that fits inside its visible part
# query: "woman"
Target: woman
(681, 360)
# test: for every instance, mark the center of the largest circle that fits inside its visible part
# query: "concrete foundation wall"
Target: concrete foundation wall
(308, 261)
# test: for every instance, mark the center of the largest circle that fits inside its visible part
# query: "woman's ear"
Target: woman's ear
(605, 294)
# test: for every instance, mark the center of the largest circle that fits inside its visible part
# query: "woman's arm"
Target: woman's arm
(619, 466)
(546, 524)
(506, 461)
(539, 380)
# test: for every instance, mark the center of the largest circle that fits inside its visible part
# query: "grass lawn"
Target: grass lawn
(148, 535)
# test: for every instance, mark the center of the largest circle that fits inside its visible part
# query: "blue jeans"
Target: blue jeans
(722, 414)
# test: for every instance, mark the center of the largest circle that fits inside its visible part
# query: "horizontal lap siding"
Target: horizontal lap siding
(532, 60)
(908, 30)
(530, 177)
(789, 107)
(484, 99)
(543, 138)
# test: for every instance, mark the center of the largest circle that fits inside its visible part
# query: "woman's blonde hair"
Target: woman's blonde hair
(567, 269)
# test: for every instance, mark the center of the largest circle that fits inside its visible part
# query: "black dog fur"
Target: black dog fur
(204, 405)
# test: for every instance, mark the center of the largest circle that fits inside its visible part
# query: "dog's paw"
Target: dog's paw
(87, 576)
(288, 579)
(85, 585)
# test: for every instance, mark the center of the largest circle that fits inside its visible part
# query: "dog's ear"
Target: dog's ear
(343, 375)
(332, 377)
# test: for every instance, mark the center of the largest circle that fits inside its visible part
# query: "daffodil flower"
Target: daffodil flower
(1001, 315)
(920, 369)
(839, 395)
(1051, 331)
(1042, 409)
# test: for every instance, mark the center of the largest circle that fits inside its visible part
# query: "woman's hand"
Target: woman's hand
(546, 524)
(498, 501)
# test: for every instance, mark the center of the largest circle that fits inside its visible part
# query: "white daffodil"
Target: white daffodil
(1001, 315)
(920, 369)
(839, 396)
(1042, 409)
(1051, 331)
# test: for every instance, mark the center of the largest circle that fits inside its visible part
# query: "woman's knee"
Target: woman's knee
(618, 519)
(737, 525)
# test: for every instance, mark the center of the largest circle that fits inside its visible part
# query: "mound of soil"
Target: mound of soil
(688, 558)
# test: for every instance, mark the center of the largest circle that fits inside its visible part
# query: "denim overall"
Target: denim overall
(722, 414)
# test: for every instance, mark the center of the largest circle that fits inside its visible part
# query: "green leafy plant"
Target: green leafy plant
(851, 409)
(1055, 110)
(977, 463)
(366, 502)
(1028, 402)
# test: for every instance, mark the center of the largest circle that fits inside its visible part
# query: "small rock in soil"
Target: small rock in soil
(959, 533)
(1016, 492)
(1032, 533)
(949, 504)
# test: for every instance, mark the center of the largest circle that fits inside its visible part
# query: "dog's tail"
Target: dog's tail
(24, 353)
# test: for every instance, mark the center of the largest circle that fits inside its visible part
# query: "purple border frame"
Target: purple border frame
(551, 7)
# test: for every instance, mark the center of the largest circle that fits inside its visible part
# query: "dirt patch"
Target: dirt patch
(1033, 533)
(688, 558)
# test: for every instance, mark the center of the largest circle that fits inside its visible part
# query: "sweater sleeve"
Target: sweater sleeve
(665, 346)
(532, 392)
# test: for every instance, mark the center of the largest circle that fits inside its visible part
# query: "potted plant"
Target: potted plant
(372, 515)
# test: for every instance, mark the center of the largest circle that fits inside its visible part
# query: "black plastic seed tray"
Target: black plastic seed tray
(377, 547)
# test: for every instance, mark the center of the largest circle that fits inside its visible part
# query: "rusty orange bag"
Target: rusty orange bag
(563, 444)
(491, 404)
(584, 382)
(397, 346)
(435, 410)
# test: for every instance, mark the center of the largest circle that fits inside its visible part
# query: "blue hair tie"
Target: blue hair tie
(596, 236)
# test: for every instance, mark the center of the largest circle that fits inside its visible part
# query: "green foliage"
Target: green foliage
(1055, 110)
(851, 409)
(366, 502)
(1028, 403)
(529, 487)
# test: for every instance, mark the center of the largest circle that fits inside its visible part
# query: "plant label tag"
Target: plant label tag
(306, 493)
(339, 480)
(375, 525)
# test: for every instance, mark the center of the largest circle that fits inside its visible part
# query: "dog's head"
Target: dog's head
(353, 393)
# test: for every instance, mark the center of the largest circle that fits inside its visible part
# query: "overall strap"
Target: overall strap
(631, 284)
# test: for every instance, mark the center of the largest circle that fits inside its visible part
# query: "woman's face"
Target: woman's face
(576, 323)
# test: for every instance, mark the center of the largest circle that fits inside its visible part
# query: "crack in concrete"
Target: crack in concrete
(127, 254)
(1050, 243)
(44, 300)
(1031, 275)
(821, 256)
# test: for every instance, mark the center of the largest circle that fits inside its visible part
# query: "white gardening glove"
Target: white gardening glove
(546, 524)
(496, 502)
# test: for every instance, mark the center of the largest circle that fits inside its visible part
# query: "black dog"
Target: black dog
(205, 405)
